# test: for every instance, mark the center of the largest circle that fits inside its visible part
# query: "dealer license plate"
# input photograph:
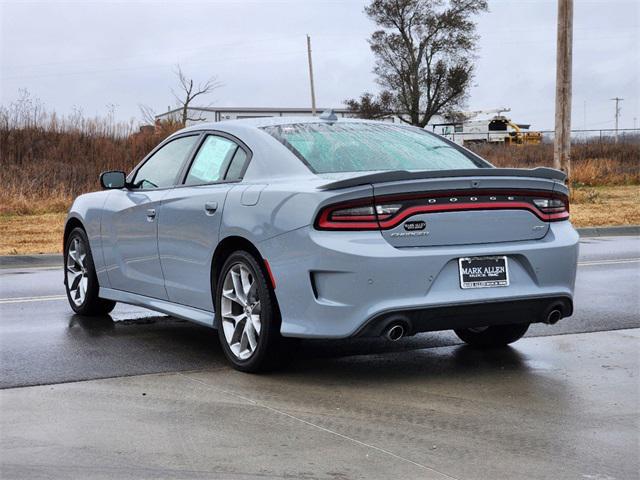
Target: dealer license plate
(483, 272)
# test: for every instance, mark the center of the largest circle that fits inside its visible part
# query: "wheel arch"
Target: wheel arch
(225, 248)
(72, 222)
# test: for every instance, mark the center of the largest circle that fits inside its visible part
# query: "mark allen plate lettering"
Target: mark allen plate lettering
(483, 272)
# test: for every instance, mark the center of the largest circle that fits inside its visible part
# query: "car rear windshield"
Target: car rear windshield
(358, 147)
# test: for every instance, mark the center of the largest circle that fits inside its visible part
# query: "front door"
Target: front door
(130, 221)
(130, 242)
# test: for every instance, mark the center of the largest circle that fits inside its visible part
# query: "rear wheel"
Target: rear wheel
(80, 280)
(247, 316)
(494, 336)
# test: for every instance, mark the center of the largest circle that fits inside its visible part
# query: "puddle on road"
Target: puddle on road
(128, 316)
(144, 319)
(123, 319)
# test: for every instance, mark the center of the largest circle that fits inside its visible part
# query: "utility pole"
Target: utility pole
(617, 100)
(562, 147)
(313, 93)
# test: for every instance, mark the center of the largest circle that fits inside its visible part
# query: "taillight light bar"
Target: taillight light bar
(387, 212)
(353, 215)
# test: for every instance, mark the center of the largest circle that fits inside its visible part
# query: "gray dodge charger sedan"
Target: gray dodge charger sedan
(269, 229)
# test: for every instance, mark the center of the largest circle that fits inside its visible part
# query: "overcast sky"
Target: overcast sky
(91, 54)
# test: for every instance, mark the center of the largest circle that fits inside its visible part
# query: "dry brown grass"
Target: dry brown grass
(44, 170)
(47, 161)
(28, 234)
(605, 206)
(593, 163)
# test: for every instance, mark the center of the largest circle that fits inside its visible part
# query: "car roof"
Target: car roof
(283, 162)
(261, 122)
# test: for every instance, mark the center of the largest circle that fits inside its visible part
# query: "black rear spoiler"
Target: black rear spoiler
(400, 175)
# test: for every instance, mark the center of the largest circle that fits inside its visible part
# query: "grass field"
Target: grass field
(22, 234)
(605, 206)
(591, 206)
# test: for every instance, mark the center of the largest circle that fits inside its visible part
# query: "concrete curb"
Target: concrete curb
(55, 260)
(609, 231)
(30, 261)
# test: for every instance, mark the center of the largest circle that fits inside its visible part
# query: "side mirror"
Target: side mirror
(113, 180)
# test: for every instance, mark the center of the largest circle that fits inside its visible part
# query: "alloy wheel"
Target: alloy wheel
(240, 311)
(77, 274)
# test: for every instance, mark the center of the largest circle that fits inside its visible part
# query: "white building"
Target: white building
(217, 114)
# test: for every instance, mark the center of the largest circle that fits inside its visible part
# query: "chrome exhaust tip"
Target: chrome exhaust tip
(394, 332)
(553, 316)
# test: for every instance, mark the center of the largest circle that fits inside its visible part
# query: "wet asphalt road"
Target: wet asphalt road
(41, 342)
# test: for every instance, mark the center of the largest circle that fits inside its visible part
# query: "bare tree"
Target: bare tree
(368, 106)
(147, 113)
(424, 53)
(187, 91)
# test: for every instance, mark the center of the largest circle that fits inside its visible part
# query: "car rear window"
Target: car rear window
(358, 147)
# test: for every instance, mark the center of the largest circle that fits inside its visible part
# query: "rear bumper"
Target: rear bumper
(340, 284)
(473, 315)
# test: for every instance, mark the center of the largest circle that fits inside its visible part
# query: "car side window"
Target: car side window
(212, 160)
(161, 170)
(235, 170)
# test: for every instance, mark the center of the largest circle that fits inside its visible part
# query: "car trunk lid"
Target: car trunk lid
(418, 209)
(461, 211)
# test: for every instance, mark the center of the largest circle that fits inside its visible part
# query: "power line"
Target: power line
(144, 54)
(158, 66)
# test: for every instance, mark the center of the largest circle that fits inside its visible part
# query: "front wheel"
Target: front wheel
(494, 336)
(80, 279)
(247, 315)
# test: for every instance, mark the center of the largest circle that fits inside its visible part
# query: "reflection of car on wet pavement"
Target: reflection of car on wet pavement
(324, 228)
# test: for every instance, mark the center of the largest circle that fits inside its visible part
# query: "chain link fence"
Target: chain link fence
(623, 135)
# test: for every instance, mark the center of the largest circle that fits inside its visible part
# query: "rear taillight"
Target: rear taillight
(356, 215)
(552, 205)
(389, 211)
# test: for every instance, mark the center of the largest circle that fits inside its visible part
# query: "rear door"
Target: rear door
(461, 211)
(130, 221)
(190, 218)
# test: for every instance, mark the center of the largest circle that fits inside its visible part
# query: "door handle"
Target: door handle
(151, 214)
(211, 207)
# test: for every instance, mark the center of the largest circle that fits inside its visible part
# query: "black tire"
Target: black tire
(494, 336)
(269, 351)
(91, 305)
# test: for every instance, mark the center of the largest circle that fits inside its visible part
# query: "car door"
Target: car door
(190, 218)
(130, 221)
